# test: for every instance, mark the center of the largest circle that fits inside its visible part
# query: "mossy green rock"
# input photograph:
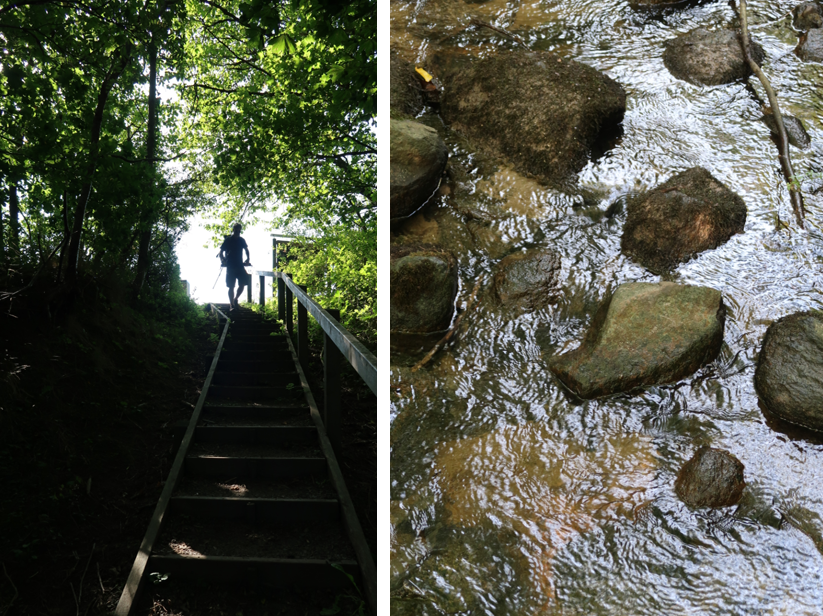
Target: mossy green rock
(541, 112)
(645, 334)
(423, 281)
(689, 213)
(709, 58)
(418, 158)
(712, 478)
(789, 374)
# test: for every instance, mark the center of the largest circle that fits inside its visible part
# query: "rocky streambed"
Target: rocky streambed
(607, 392)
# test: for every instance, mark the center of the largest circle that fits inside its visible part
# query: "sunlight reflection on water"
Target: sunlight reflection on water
(510, 497)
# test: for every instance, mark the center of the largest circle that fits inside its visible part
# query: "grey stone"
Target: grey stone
(709, 58)
(711, 478)
(405, 98)
(810, 47)
(542, 113)
(418, 158)
(807, 15)
(795, 131)
(689, 213)
(527, 281)
(644, 334)
(789, 374)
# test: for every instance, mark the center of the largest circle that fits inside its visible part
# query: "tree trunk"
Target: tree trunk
(147, 215)
(118, 66)
(14, 223)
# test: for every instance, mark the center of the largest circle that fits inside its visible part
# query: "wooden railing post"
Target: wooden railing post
(248, 291)
(289, 310)
(262, 291)
(331, 383)
(303, 332)
(281, 299)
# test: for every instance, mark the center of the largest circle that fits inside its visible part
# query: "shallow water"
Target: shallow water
(510, 497)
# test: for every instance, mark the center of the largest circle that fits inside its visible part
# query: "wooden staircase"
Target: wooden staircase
(255, 494)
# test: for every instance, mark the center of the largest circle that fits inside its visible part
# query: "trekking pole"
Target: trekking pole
(218, 277)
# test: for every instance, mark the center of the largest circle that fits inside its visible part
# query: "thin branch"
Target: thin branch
(147, 160)
(6, 573)
(225, 91)
(783, 140)
(452, 329)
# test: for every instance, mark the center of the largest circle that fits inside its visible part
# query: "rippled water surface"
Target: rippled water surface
(509, 497)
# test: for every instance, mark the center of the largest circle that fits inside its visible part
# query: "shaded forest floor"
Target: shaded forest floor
(86, 409)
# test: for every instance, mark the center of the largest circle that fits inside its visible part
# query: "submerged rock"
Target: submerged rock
(709, 58)
(423, 285)
(527, 281)
(418, 158)
(712, 478)
(542, 113)
(807, 15)
(795, 131)
(643, 335)
(404, 93)
(810, 47)
(689, 213)
(789, 374)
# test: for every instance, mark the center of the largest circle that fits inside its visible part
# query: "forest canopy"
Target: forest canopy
(263, 106)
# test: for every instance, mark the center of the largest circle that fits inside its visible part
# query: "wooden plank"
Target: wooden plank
(255, 434)
(353, 529)
(361, 359)
(255, 510)
(331, 386)
(274, 571)
(259, 378)
(135, 580)
(254, 393)
(222, 467)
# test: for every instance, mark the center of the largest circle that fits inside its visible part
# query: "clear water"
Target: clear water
(510, 498)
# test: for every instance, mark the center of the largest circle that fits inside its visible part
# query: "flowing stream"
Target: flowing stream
(510, 497)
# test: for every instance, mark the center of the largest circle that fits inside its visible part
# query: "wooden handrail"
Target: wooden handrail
(363, 361)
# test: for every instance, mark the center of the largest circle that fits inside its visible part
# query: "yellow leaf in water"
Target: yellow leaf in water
(423, 74)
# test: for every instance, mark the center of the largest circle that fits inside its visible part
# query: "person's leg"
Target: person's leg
(240, 288)
(230, 284)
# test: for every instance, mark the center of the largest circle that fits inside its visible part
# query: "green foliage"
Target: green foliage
(339, 270)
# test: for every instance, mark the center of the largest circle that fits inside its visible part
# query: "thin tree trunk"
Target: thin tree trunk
(14, 222)
(147, 214)
(2, 230)
(117, 68)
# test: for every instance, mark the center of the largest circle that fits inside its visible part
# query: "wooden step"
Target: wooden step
(265, 355)
(270, 435)
(259, 394)
(258, 378)
(224, 467)
(256, 510)
(275, 571)
(216, 412)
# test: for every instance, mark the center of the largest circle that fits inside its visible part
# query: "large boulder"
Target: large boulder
(405, 98)
(542, 113)
(807, 15)
(527, 281)
(418, 159)
(645, 334)
(423, 285)
(789, 374)
(689, 213)
(712, 478)
(810, 47)
(709, 58)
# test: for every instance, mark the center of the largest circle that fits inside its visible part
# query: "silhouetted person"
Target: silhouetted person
(231, 253)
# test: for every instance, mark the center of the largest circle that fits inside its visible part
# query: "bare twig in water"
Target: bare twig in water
(6, 573)
(782, 139)
(478, 23)
(452, 329)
